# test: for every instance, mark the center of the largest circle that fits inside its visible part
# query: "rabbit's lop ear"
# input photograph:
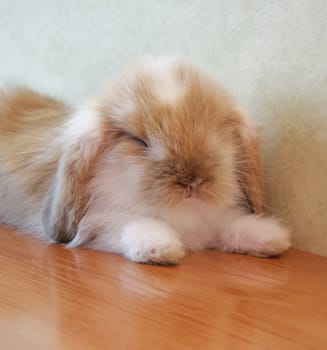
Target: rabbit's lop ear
(68, 198)
(248, 162)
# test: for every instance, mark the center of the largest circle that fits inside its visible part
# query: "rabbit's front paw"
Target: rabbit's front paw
(267, 238)
(258, 236)
(271, 248)
(151, 241)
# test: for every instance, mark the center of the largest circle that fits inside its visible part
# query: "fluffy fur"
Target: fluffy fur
(161, 162)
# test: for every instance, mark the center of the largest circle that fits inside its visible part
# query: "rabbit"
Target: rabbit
(161, 162)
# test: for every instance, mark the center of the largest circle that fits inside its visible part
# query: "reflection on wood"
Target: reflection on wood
(54, 298)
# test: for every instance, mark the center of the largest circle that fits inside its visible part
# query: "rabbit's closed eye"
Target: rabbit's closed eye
(137, 139)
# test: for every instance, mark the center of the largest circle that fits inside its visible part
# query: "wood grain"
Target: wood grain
(54, 298)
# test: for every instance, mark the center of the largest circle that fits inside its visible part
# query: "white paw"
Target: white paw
(151, 241)
(270, 248)
(263, 237)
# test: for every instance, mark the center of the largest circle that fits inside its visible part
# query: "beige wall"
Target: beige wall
(271, 54)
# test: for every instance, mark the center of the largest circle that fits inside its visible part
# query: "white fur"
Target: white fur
(23, 211)
(167, 89)
(17, 209)
(83, 123)
(157, 151)
(165, 83)
(120, 218)
(122, 109)
(149, 240)
(120, 98)
(252, 235)
(128, 225)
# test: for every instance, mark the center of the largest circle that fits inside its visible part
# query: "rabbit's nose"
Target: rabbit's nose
(191, 190)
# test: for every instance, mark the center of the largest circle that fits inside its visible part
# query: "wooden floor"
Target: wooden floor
(53, 298)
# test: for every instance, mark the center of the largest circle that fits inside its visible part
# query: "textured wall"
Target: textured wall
(272, 55)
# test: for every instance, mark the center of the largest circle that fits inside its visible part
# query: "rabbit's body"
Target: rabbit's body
(30, 127)
(162, 162)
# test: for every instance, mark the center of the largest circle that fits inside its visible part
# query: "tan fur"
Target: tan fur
(28, 123)
(64, 210)
(251, 172)
(30, 126)
(210, 147)
(204, 115)
(248, 161)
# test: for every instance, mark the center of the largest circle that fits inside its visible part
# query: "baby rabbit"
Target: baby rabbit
(160, 163)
